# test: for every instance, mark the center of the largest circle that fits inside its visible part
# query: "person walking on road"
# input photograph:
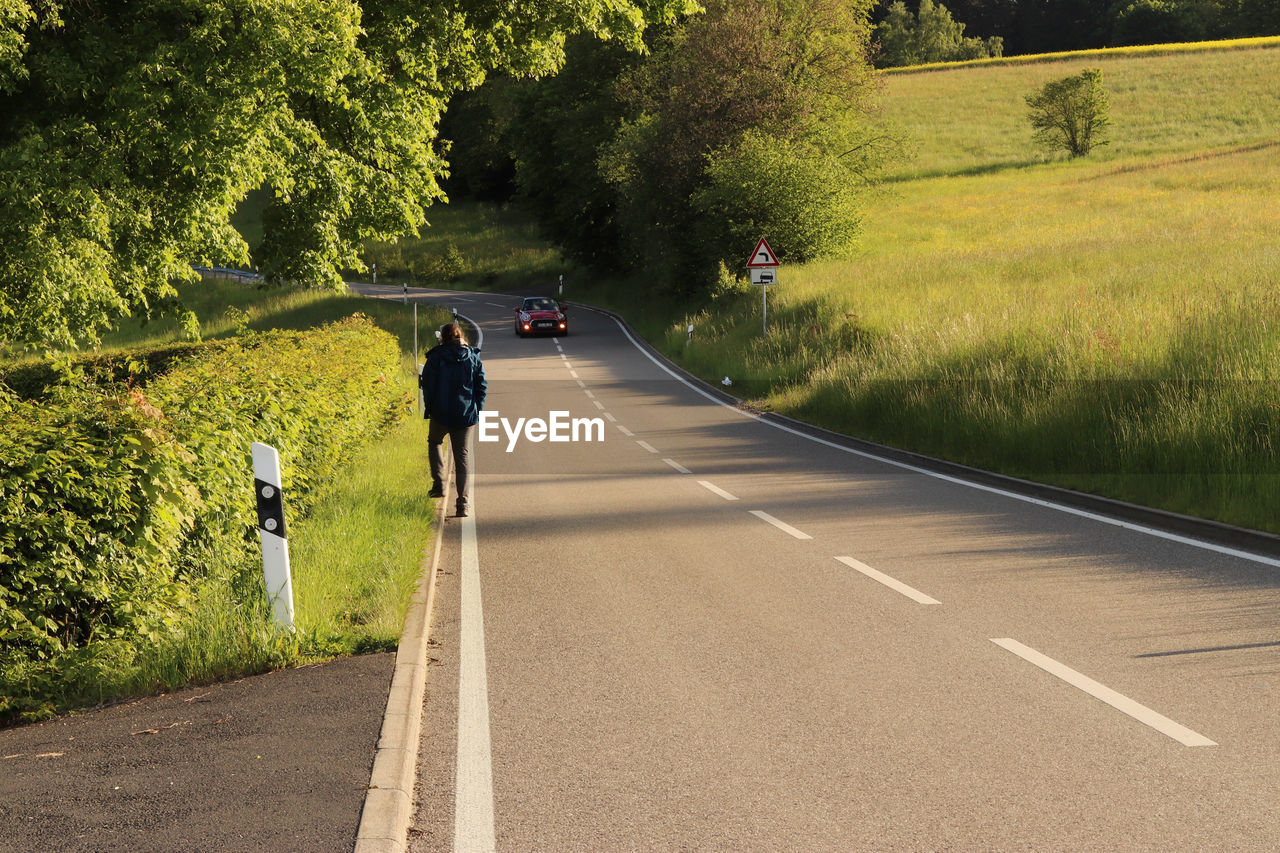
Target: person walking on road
(453, 389)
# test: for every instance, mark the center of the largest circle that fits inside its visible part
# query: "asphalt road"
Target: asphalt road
(276, 762)
(705, 633)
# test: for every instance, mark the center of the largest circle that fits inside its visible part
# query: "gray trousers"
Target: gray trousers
(459, 442)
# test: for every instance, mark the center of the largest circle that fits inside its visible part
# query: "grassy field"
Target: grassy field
(972, 118)
(1109, 324)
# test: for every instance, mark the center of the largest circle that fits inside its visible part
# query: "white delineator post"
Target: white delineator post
(271, 530)
(417, 401)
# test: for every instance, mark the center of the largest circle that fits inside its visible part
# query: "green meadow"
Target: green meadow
(972, 117)
(1110, 324)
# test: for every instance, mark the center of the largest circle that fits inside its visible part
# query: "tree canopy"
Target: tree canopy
(1071, 113)
(662, 168)
(930, 35)
(131, 129)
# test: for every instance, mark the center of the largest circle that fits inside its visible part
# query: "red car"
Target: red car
(539, 315)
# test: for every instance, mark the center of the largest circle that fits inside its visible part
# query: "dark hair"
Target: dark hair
(451, 332)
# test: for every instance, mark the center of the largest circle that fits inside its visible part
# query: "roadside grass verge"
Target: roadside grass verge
(356, 555)
(355, 560)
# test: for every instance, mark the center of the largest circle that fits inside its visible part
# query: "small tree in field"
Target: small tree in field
(1071, 113)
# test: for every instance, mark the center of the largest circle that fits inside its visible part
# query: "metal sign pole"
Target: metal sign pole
(764, 310)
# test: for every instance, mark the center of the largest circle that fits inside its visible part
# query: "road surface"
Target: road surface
(707, 633)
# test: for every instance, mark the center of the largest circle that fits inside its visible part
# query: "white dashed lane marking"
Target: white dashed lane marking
(714, 489)
(781, 525)
(896, 585)
(1120, 702)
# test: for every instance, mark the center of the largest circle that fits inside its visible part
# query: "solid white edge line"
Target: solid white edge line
(628, 433)
(1092, 516)
(674, 464)
(711, 487)
(1120, 702)
(647, 446)
(479, 331)
(893, 583)
(778, 523)
(473, 830)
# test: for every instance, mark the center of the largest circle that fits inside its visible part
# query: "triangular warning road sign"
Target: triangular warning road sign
(763, 256)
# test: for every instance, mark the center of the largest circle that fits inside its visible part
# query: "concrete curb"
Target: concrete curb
(388, 804)
(1213, 532)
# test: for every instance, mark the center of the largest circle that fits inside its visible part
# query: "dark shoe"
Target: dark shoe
(462, 510)
(437, 491)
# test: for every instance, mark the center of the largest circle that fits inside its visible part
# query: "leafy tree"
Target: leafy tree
(561, 125)
(805, 199)
(1160, 22)
(475, 129)
(790, 71)
(130, 129)
(1071, 113)
(931, 35)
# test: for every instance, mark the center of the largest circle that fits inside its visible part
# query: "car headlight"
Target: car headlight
(559, 316)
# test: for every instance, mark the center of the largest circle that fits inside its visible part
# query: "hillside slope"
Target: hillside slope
(1108, 323)
(973, 117)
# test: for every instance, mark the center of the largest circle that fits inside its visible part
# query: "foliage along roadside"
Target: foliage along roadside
(129, 133)
(121, 508)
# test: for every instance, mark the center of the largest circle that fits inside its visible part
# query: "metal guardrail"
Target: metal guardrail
(227, 273)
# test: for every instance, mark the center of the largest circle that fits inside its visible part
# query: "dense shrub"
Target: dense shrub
(117, 503)
(92, 500)
(805, 199)
(34, 379)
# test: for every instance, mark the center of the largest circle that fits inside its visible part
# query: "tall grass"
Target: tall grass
(1111, 329)
(1109, 324)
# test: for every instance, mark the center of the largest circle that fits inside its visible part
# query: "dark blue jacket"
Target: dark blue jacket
(453, 385)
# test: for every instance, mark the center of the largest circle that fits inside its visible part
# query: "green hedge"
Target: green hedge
(37, 379)
(117, 504)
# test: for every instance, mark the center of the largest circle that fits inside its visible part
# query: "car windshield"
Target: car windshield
(540, 303)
